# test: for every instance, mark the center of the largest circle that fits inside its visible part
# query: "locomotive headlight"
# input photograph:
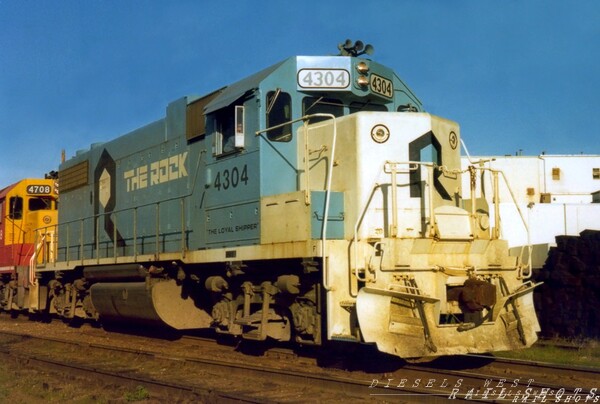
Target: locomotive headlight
(362, 68)
(380, 133)
(362, 81)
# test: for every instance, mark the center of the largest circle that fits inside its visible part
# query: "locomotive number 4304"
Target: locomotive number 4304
(381, 86)
(231, 178)
(323, 78)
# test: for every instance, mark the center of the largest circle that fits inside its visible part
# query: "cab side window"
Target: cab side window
(224, 135)
(362, 106)
(321, 105)
(229, 130)
(15, 208)
(279, 111)
(39, 204)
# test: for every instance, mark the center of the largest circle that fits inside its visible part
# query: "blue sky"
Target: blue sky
(516, 75)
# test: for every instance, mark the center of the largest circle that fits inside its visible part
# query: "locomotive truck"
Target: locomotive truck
(313, 201)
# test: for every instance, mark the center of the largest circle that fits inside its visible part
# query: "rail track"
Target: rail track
(200, 369)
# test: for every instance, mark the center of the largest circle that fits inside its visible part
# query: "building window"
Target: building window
(596, 173)
(556, 173)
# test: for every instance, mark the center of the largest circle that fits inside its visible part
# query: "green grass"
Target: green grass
(585, 353)
(139, 394)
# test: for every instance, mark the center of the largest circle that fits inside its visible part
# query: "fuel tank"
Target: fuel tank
(159, 303)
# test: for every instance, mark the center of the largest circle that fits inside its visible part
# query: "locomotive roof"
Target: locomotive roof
(231, 93)
(4, 191)
(7, 189)
(278, 74)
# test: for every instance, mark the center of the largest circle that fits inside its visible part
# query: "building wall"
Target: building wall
(544, 178)
(553, 194)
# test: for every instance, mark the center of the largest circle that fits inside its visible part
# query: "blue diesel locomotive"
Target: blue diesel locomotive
(313, 201)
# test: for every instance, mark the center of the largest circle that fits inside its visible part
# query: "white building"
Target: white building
(554, 194)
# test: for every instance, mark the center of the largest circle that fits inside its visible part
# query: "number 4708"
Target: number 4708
(231, 178)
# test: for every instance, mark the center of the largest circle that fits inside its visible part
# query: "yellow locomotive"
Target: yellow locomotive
(26, 207)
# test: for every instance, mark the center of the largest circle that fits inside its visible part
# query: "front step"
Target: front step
(348, 305)
(344, 338)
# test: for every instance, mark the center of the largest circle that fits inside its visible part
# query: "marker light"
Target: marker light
(362, 81)
(362, 68)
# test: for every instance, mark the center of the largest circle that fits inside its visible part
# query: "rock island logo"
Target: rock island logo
(158, 172)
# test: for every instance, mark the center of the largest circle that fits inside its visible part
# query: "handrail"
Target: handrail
(530, 248)
(394, 228)
(157, 228)
(430, 197)
(81, 220)
(306, 119)
(32, 260)
(497, 217)
(326, 285)
(391, 168)
(48, 247)
(497, 210)
(133, 211)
